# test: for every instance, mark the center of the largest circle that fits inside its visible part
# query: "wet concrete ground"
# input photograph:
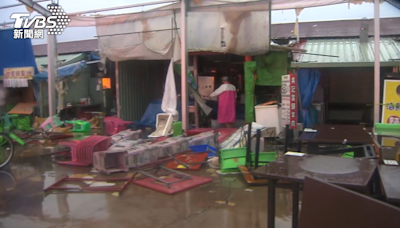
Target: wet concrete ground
(25, 205)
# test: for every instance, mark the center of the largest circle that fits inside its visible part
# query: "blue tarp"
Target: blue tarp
(15, 53)
(64, 71)
(308, 80)
(94, 56)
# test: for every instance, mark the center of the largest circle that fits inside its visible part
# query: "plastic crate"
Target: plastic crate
(212, 152)
(110, 161)
(387, 129)
(22, 122)
(202, 139)
(127, 134)
(232, 158)
(141, 155)
(51, 122)
(114, 125)
(126, 144)
(182, 144)
(172, 146)
(79, 125)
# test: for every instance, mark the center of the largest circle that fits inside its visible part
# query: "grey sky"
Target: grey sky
(324, 13)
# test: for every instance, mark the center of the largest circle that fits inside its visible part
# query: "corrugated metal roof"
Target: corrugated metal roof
(42, 61)
(68, 47)
(347, 53)
(335, 29)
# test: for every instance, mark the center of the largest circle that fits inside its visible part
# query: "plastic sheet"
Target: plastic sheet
(150, 35)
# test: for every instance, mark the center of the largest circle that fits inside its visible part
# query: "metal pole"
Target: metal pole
(196, 78)
(184, 66)
(117, 89)
(377, 79)
(51, 55)
(21, 4)
(52, 72)
(124, 7)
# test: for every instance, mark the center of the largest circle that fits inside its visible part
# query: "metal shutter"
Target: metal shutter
(351, 86)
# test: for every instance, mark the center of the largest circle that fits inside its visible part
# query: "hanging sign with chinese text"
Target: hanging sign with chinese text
(18, 73)
(391, 102)
(289, 100)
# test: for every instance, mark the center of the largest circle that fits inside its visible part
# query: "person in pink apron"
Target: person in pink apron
(226, 94)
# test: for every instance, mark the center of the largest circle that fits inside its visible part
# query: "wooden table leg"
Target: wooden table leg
(271, 203)
(295, 205)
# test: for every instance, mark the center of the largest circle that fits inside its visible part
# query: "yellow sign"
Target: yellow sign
(391, 102)
(390, 142)
(18, 73)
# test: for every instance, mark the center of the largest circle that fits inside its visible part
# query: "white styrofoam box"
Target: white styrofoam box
(170, 147)
(182, 143)
(269, 116)
(140, 155)
(206, 138)
(126, 134)
(126, 144)
(163, 125)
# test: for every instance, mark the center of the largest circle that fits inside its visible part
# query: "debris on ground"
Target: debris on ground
(212, 191)
(115, 194)
(88, 182)
(82, 175)
(230, 173)
(220, 202)
(94, 171)
(210, 170)
(101, 184)
(249, 190)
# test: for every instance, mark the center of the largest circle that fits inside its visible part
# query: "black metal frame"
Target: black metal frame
(367, 151)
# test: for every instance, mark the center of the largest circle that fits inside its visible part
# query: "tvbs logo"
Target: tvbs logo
(34, 28)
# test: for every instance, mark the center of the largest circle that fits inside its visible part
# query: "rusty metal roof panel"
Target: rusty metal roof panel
(335, 29)
(68, 47)
(348, 52)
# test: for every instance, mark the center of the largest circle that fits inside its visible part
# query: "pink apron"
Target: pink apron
(226, 103)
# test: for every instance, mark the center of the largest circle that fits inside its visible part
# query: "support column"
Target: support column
(117, 90)
(196, 78)
(52, 72)
(377, 64)
(184, 67)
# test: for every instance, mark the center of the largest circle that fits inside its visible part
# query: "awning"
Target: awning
(323, 53)
(15, 52)
(63, 60)
(63, 72)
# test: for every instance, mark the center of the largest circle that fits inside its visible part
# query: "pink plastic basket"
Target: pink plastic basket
(83, 150)
(114, 125)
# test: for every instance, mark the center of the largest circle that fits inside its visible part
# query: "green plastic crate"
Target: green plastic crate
(387, 129)
(22, 123)
(232, 158)
(79, 125)
(264, 157)
(348, 154)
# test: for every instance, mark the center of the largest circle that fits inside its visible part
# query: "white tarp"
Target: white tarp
(144, 36)
(243, 30)
(240, 27)
(85, 21)
(169, 99)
